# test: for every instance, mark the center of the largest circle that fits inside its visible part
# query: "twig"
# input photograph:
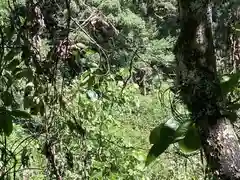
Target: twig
(94, 42)
(130, 70)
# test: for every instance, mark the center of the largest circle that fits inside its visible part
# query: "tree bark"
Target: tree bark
(200, 90)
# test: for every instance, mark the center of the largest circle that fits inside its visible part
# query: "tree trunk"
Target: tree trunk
(235, 18)
(200, 88)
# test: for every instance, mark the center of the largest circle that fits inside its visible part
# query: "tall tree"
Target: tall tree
(200, 88)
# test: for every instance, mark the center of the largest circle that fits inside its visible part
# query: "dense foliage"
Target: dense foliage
(88, 86)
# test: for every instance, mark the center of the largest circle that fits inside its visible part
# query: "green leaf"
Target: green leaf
(84, 78)
(172, 123)
(40, 89)
(165, 129)
(41, 107)
(76, 127)
(2, 109)
(22, 20)
(168, 127)
(28, 89)
(34, 110)
(13, 64)
(237, 27)
(92, 95)
(71, 125)
(20, 114)
(157, 149)
(6, 122)
(154, 153)
(27, 102)
(230, 115)
(17, 70)
(234, 107)
(27, 73)
(230, 84)
(26, 54)
(7, 98)
(155, 134)
(89, 52)
(8, 78)
(91, 81)
(10, 55)
(25, 157)
(124, 72)
(69, 158)
(182, 130)
(62, 102)
(191, 142)
(9, 32)
(161, 137)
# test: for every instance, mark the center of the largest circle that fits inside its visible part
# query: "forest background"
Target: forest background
(85, 82)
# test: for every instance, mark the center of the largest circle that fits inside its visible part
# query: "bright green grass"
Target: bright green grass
(136, 124)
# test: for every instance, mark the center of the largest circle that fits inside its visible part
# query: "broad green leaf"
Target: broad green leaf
(155, 134)
(230, 84)
(20, 114)
(16, 71)
(191, 142)
(234, 106)
(231, 115)
(13, 64)
(161, 137)
(27, 73)
(182, 130)
(157, 149)
(165, 129)
(10, 55)
(6, 122)
(7, 98)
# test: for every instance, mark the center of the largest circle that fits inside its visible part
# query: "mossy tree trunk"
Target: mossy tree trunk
(200, 88)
